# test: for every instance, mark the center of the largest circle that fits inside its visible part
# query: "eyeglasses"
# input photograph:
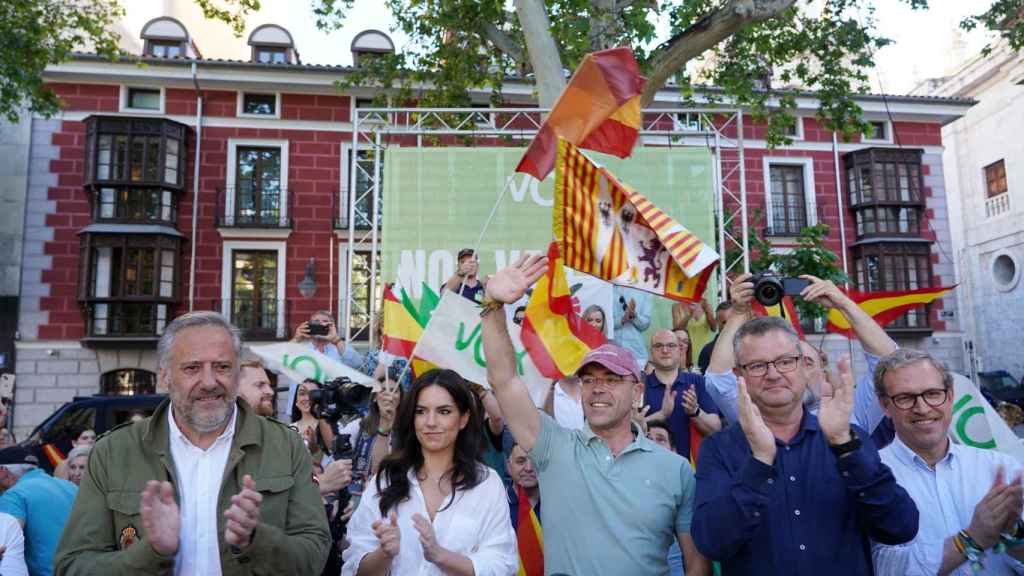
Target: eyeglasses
(782, 365)
(933, 397)
(665, 346)
(612, 381)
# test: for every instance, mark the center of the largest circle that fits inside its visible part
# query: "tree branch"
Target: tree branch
(503, 42)
(703, 34)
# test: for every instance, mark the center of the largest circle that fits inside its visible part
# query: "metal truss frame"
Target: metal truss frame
(718, 129)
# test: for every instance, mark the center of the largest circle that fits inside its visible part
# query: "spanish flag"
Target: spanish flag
(403, 321)
(529, 538)
(556, 338)
(884, 307)
(608, 230)
(598, 110)
(784, 309)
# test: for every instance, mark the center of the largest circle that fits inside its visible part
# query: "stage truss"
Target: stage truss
(374, 129)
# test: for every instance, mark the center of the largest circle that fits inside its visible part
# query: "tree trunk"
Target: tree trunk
(544, 55)
(706, 33)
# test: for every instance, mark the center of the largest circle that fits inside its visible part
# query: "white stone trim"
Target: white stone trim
(123, 100)
(888, 132)
(810, 192)
(240, 104)
(229, 181)
(47, 344)
(227, 254)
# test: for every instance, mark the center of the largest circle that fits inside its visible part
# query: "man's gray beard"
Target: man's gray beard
(188, 415)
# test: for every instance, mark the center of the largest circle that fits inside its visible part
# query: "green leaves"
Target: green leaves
(36, 33)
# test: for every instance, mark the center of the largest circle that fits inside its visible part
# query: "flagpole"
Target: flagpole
(476, 251)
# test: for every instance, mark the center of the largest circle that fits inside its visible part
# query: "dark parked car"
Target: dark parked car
(999, 386)
(101, 413)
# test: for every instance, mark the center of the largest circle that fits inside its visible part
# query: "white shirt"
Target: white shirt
(476, 524)
(945, 498)
(199, 474)
(11, 536)
(568, 410)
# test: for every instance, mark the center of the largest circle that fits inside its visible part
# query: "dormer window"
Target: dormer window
(272, 44)
(164, 49)
(370, 42)
(270, 55)
(165, 37)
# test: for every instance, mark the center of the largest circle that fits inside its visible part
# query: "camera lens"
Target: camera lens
(768, 291)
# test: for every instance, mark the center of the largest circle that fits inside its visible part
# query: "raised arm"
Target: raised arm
(723, 358)
(872, 337)
(506, 287)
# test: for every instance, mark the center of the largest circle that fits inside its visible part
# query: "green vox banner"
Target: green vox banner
(436, 201)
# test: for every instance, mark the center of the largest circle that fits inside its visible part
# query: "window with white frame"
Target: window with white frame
(880, 131)
(259, 105)
(256, 189)
(142, 99)
(789, 195)
(253, 288)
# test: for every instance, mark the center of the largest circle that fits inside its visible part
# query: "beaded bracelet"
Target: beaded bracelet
(971, 551)
(488, 306)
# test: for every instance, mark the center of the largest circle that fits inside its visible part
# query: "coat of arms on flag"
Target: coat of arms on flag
(606, 229)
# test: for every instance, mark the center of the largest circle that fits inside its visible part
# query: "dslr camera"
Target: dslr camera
(769, 288)
(338, 399)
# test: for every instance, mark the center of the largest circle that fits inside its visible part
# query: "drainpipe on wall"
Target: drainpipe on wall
(195, 189)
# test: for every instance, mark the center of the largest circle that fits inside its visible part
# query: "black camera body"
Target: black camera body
(769, 288)
(338, 399)
(318, 329)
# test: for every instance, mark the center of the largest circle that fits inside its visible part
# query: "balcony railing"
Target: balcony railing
(236, 209)
(997, 205)
(258, 319)
(363, 214)
(110, 319)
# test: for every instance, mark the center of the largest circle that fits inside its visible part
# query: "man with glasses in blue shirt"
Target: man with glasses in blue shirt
(788, 492)
(970, 499)
(614, 501)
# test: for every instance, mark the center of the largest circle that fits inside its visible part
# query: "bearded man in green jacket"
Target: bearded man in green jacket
(204, 485)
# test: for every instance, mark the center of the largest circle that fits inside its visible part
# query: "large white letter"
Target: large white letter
(412, 271)
(441, 266)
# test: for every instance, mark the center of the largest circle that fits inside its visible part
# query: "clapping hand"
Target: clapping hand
(161, 519)
(388, 534)
(432, 551)
(834, 412)
(668, 403)
(998, 511)
(511, 283)
(690, 401)
(759, 436)
(244, 514)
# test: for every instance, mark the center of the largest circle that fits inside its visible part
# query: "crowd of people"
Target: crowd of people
(752, 455)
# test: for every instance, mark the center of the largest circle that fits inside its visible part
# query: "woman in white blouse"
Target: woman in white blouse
(434, 507)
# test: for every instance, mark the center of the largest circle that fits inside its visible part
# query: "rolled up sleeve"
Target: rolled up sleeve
(723, 390)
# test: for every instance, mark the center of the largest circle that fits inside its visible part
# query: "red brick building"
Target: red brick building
(112, 251)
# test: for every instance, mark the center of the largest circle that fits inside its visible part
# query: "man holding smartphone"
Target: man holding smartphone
(321, 334)
(464, 281)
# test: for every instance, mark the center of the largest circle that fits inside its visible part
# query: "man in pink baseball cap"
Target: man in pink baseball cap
(614, 501)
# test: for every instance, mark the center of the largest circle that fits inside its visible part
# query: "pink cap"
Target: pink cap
(615, 358)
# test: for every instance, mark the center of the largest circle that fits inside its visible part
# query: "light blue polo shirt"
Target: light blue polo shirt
(43, 503)
(608, 515)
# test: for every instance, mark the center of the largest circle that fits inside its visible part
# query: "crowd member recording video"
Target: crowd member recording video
(316, 433)
(321, 334)
(433, 501)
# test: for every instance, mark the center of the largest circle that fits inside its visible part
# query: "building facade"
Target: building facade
(984, 159)
(209, 184)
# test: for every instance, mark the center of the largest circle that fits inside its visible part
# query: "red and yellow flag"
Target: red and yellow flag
(608, 230)
(556, 337)
(598, 110)
(784, 309)
(884, 307)
(529, 537)
(401, 329)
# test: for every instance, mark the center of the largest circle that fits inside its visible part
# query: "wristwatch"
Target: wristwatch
(845, 448)
(696, 413)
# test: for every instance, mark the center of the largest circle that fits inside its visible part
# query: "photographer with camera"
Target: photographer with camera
(321, 334)
(632, 316)
(721, 379)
